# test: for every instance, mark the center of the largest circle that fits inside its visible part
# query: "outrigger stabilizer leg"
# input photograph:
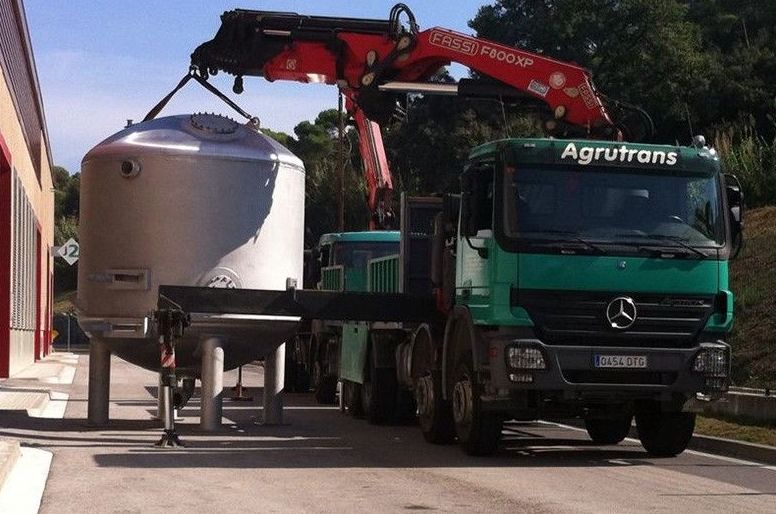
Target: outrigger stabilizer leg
(170, 324)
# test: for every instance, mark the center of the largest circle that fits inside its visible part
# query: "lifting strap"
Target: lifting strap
(192, 75)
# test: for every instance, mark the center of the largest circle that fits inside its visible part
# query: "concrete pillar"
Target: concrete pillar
(274, 378)
(99, 382)
(212, 383)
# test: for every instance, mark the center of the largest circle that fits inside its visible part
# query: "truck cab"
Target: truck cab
(591, 281)
(344, 257)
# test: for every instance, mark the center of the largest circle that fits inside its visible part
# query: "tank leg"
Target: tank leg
(99, 382)
(274, 378)
(212, 383)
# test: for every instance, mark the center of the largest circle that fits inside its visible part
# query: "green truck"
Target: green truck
(574, 279)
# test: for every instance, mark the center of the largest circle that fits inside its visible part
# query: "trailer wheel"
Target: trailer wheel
(378, 394)
(665, 434)
(610, 430)
(435, 415)
(478, 431)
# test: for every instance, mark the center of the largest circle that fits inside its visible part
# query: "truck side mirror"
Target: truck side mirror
(735, 200)
(469, 212)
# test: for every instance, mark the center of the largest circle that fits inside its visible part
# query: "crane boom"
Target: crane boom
(371, 60)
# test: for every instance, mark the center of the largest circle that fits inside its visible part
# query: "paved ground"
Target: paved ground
(323, 461)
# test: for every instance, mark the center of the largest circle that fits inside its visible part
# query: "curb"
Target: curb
(10, 452)
(759, 453)
(23, 489)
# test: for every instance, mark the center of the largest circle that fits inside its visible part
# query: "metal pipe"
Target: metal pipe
(212, 383)
(166, 410)
(99, 382)
(432, 88)
(274, 377)
(159, 399)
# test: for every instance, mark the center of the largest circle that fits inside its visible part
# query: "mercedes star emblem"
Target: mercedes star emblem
(621, 312)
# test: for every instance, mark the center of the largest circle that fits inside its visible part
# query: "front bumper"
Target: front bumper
(571, 371)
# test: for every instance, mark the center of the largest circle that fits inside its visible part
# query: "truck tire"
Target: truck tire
(608, 431)
(435, 415)
(665, 434)
(378, 394)
(478, 431)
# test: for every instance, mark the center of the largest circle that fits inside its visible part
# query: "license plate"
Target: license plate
(620, 361)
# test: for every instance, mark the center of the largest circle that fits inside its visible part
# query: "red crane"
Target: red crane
(371, 61)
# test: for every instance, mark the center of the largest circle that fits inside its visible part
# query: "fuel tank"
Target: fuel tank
(195, 200)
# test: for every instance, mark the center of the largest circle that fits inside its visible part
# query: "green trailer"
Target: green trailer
(342, 260)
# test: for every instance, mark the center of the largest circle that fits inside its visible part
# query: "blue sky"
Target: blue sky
(101, 63)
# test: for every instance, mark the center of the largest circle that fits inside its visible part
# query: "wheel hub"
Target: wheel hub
(462, 394)
(424, 396)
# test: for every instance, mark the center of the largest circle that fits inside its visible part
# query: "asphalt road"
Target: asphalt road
(323, 461)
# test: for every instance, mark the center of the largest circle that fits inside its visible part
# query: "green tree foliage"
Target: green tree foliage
(739, 34)
(427, 149)
(66, 198)
(316, 143)
(646, 52)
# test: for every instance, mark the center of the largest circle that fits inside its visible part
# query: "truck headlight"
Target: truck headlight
(525, 357)
(712, 361)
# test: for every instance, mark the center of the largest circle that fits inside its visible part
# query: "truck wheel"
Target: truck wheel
(435, 415)
(665, 434)
(378, 394)
(351, 398)
(326, 392)
(608, 431)
(478, 431)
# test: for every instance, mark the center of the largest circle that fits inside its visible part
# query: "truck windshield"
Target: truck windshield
(612, 205)
(357, 254)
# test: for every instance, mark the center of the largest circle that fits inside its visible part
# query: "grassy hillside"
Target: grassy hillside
(753, 280)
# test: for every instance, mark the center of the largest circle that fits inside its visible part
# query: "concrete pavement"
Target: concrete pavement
(323, 461)
(38, 391)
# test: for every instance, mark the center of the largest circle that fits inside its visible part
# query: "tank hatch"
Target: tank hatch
(213, 123)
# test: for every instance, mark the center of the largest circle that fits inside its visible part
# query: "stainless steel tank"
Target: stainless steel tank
(187, 200)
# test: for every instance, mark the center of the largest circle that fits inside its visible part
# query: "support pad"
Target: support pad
(170, 440)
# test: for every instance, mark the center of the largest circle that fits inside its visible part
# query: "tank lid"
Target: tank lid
(213, 123)
(203, 135)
